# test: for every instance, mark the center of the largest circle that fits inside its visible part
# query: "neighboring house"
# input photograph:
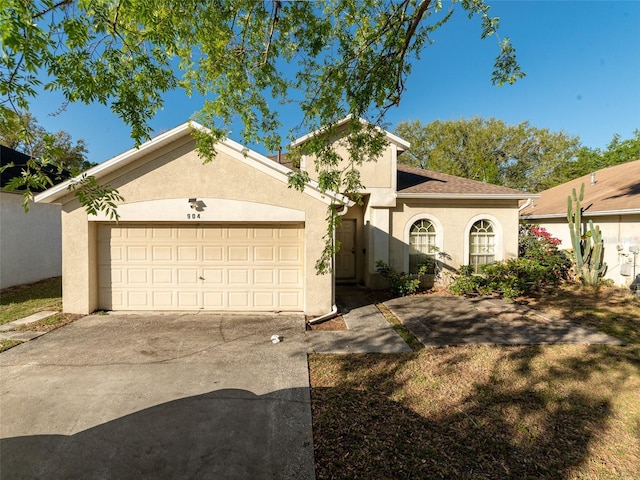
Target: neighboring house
(30, 242)
(612, 201)
(231, 234)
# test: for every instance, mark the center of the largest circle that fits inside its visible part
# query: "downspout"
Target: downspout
(334, 309)
(525, 204)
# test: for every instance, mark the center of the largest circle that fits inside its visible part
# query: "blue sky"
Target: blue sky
(582, 60)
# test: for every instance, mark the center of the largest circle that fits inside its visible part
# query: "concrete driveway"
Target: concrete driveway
(439, 321)
(159, 396)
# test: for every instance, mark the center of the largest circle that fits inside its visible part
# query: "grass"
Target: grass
(614, 311)
(553, 411)
(7, 344)
(24, 300)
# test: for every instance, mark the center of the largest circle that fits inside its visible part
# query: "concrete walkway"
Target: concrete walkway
(368, 330)
(6, 332)
(439, 321)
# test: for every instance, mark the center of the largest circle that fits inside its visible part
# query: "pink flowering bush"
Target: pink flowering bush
(540, 263)
(537, 245)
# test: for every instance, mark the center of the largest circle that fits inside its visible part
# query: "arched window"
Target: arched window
(422, 245)
(482, 244)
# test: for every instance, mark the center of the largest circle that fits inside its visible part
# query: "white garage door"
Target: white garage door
(192, 267)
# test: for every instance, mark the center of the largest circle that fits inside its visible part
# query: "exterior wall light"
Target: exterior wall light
(197, 205)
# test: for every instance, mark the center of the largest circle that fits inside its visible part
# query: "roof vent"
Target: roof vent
(593, 178)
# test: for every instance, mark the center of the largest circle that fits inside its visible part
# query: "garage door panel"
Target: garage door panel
(163, 299)
(136, 254)
(238, 233)
(289, 254)
(264, 277)
(138, 300)
(136, 232)
(213, 254)
(187, 233)
(238, 300)
(187, 254)
(264, 254)
(238, 254)
(289, 299)
(214, 276)
(290, 277)
(265, 300)
(163, 276)
(137, 276)
(162, 253)
(165, 267)
(213, 300)
(188, 299)
(187, 276)
(238, 276)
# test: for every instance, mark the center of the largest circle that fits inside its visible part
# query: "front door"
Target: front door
(346, 257)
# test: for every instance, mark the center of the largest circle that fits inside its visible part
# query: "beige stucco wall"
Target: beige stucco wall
(617, 231)
(176, 172)
(453, 220)
(377, 176)
(30, 242)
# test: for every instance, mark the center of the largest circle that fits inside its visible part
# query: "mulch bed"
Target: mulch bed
(334, 324)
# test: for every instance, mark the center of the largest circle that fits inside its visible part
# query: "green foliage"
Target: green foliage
(536, 244)
(540, 264)
(466, 283)
(588, 247)
(510, 278)
(590, 160)
(21, 131)
(517, 156)
(95, 197)
(343, 57)
(402, 283)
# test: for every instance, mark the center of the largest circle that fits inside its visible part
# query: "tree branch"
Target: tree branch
(51, 8)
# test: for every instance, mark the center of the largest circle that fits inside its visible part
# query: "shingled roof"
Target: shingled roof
(418, 182)
(613, 190)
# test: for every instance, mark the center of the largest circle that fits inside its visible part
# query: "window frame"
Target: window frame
(498, 232)
(439, 237)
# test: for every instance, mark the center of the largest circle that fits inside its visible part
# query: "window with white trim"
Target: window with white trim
(482, 244)
(422, 245)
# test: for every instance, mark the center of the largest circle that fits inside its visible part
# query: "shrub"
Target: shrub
(537, 245)
(466, 283)
(401, 283)
(510, 278)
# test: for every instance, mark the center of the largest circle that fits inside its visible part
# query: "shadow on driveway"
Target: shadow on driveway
(227, 433)
(439, 321)
(159, 396)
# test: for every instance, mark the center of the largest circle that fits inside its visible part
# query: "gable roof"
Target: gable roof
(616, 191)
(228, 146)
(418, 183)
(18, 162)
(391, 138)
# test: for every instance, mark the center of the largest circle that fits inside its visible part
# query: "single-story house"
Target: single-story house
(30, 242)
(612, 201)
(231, 235)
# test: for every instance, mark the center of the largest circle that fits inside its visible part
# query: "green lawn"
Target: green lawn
(24, 300)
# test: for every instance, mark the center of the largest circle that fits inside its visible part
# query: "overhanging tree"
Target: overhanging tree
(331, 57)
(22, 132)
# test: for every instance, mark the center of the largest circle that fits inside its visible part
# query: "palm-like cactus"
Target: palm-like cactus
(588, 247)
